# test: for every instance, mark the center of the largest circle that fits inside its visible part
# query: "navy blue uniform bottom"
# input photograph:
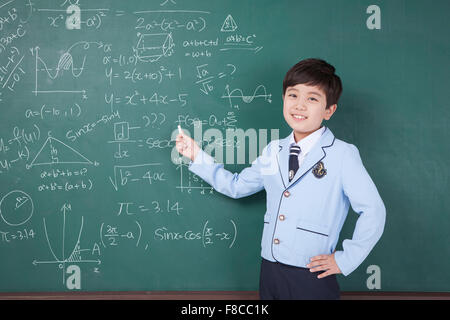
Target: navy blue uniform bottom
(283, 282)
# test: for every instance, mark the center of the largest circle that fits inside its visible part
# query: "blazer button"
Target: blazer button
(282, 217)
(286, 193)
(276, 241)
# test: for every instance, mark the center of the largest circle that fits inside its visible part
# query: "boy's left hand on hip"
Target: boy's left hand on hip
(324, 262)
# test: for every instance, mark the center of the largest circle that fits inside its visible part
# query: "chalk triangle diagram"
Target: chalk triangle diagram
(56, 152)
(229, 24)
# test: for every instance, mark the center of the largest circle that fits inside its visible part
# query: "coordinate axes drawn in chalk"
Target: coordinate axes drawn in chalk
(187, 179)
(65, 63)
(66, 68)
(55, 151)
(259, 92)
(75, 256)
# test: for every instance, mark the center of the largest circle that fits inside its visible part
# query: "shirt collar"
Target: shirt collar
(308, 142)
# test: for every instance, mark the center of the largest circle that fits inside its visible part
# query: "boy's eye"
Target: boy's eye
(293, 95)
(313, 98)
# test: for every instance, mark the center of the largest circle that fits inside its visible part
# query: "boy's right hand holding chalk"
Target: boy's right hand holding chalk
(186, 145)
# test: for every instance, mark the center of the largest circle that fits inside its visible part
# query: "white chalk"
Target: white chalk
(179, 129)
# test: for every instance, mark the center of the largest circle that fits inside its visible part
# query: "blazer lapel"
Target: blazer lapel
(316, 154)
(283, 160)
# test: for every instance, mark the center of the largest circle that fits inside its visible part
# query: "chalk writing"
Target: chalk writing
(156, 207)
(89, 95)
(19, 235)
(207, 236)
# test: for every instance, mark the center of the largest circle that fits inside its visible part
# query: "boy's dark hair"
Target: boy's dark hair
(315, 72)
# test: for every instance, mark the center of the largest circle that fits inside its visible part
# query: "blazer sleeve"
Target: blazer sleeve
(234, 185)
(367, 203)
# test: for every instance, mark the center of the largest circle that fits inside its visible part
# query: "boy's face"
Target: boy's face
(304, 109)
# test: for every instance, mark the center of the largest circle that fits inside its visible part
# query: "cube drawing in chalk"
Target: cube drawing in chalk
(151, 47)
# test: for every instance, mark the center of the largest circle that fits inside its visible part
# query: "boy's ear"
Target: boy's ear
(330, 111)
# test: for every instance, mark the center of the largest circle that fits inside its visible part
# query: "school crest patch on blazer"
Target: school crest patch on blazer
(319, 170)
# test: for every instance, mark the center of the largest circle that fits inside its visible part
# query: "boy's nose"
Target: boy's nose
(300, 106)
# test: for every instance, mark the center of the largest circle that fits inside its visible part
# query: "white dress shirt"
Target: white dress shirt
(306, 144)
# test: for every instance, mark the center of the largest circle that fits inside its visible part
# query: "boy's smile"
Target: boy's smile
(304, 109)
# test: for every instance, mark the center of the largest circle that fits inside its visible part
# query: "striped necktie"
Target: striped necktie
(294, 151)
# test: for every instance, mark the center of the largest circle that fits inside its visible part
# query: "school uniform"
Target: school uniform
(305, 214)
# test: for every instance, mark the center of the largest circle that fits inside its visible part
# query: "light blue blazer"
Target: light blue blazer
(305, 216)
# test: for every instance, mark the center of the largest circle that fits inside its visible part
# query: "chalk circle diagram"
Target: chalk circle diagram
(16, 208)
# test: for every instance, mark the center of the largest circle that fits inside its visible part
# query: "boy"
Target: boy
(308, 197)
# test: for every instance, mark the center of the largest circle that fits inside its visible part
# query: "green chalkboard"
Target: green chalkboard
(92, 196)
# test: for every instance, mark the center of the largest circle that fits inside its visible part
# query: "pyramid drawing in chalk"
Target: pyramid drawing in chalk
(229, 24)
(56, 152)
